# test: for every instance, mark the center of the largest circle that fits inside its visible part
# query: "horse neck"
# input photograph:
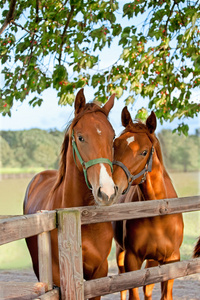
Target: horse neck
(74, 189)
(158, 184)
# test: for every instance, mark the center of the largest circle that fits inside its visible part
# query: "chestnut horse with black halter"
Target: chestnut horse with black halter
(84, 178)
(140, 175)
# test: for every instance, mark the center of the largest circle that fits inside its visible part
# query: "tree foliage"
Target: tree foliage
(59, 44)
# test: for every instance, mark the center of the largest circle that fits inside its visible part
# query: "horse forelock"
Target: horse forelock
(89, 108)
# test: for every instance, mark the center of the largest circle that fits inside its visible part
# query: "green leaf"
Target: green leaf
(59, 75)
(36, 101)
(117, 29)
(129, 100)
(67, 98)
(118, 91)
(142, 114)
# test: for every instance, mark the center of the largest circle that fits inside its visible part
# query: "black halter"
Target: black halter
(130, 177)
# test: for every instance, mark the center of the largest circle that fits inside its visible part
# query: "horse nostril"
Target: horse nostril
(99, 193)
(116, 189)
(102, 195)
(113, 196)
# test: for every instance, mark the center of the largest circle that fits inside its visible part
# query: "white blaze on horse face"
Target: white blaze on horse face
(130, 139)
(106, 182)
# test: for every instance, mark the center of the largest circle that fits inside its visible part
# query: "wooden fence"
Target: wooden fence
(13, 228)
(69, 221)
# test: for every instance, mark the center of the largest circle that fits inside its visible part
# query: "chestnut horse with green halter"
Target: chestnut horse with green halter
(84, 178)
(140, 175)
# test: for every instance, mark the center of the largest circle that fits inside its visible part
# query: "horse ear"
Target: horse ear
(151, 122)
(126, 117)
(109, 104)
(79, 101)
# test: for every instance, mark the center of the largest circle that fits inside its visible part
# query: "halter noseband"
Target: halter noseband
(130, 177)
(89, 163)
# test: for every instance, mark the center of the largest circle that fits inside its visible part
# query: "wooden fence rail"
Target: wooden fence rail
(19, 227)
(70, 252)
(116, 283)
(116, 212)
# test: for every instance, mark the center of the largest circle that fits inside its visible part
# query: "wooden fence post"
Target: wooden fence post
(45, 259)
(70, 254)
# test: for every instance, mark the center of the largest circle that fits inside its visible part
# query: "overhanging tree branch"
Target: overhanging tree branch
(23, 28)
(169, 16)
(9, 17)
(64, 32)
(37, 11)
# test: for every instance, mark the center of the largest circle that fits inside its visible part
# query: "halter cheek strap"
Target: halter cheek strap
(130, 177)
(89, 163)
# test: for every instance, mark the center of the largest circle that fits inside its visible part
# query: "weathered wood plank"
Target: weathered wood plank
(116, 283)
(97, 214)
(70, 255)
(51, 295)
(21, 291)
(19, 227)
(45, 259)
(8, 216)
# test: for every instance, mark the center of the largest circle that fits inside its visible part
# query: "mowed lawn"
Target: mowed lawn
(12, 191)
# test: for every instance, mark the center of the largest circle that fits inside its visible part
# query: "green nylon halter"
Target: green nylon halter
(89, 163)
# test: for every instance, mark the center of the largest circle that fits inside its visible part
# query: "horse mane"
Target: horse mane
(88, 108)
(62, 163)
(139, 127)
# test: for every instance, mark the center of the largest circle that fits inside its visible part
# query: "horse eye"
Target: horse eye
(144, 153)
(80, 138)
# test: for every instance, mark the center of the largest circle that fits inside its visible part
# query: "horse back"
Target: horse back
(38, 192)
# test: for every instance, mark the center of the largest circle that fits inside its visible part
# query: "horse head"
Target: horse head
(92, 145)
(133, 151)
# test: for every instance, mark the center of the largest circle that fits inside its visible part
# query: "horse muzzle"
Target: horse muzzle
(105, 198)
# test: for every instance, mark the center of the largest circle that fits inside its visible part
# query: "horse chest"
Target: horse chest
(150, 237)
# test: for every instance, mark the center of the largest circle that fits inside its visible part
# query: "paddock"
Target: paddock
(68, 222)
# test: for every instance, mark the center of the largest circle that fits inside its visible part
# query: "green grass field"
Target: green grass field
(15, 254)
(20, 170)
(188, 184)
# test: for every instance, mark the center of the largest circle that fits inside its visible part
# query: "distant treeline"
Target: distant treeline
(30, 148)
(41, 148)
